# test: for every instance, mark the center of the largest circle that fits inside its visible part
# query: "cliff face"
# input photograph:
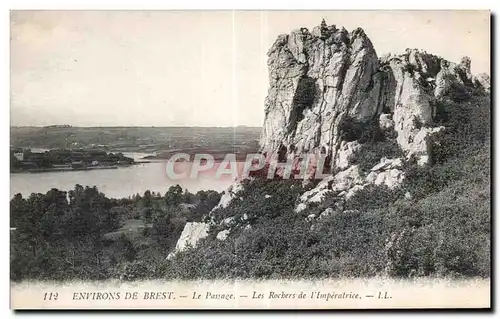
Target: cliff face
(328, 89)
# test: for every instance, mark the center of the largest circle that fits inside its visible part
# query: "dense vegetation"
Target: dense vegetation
(83, 234)
(436, 224)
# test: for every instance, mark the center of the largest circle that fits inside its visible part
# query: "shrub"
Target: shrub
(372, 151)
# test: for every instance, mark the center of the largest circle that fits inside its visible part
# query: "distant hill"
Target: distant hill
(144, 139)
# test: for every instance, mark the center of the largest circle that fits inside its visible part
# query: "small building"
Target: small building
(19, 156)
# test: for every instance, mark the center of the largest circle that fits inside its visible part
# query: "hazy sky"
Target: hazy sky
(197, 68)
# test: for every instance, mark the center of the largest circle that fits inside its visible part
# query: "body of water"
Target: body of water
(116, 183)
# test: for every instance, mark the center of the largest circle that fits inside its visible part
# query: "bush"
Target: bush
(372, 197)
(372, 151)
(136, 270)
(253, 202)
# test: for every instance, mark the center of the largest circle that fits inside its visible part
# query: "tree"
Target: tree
(55, 206)
(207, 200)
(147, 200)
(88, 207)
(147, 210)
(173, 197)
(113, 219)
(127, 248)
(18, 210)
(188, 197)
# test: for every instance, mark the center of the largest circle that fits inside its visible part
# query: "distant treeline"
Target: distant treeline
(26, 159)
(58, 126)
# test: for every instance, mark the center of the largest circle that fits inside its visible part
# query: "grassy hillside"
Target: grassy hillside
(444, 232)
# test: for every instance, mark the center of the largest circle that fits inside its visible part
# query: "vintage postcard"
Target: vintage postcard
(250, 159)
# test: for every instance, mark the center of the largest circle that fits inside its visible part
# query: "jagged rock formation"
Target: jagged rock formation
(484, 81)
(329, 91)
(328, 88)
(331, 94)
(319, 83)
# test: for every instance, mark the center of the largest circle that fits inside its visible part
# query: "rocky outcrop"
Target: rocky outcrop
(320, 82)
(328, 89)
(190, 236)
(347, 183)
(336, 185)
(388, 172)
(386, 122)
(193, 232)
(228, 195)
(222, 235)
(332, 97)
(346, 153)
(483, 80)
(412, 84)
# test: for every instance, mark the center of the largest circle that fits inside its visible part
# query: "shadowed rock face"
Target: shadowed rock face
(328, 87)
